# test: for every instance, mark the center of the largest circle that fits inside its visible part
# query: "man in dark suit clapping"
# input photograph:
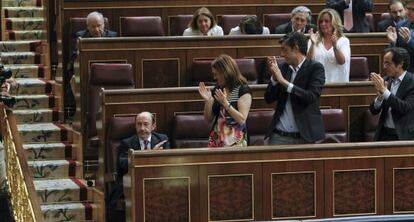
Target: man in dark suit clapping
(396, 11)
(296, 87)
(395, 100)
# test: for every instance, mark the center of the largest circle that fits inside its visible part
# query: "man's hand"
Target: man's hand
(405, 33)
(379, 83)
(274, 69)
(392, 34)
(159, 145)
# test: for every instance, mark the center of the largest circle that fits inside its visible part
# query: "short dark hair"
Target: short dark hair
(392, 2)
(296, 39)
(408, 2)
(250, 24)
(399, 56)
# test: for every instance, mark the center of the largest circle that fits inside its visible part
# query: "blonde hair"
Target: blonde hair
(228, 67)
(202, 11)
(336, 23)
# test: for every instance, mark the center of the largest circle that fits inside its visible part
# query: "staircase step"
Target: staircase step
(50, 151)
(26, 35)
(43, 133)
(21, 46)
(25, 23)
(37, 115)
(18, 12)
(34, 102)
(21, 58)
(27, 71)
(22, 3)
(61, 190)
(54, 169)
(33, 86)
(68, 211)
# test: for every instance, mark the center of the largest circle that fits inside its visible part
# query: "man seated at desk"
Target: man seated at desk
(145, 139)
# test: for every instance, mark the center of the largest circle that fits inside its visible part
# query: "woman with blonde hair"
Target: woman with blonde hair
(330, 47)
(203, 24)
(228, 105)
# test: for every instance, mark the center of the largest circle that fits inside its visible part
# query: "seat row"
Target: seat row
(152, 25)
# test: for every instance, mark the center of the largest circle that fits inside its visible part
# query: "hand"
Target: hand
(159, 145)
(379, 83)
(274, 68)
(405, 33)
(204, 92)
(334, 40)
(221, 97)
(392, 34)
(313, 36)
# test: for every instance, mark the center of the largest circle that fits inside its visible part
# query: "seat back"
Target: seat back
(118, 128)
(257, 123)
(371, 23)
(190, 131)
(177, 24)
(141, 26)
(385, 15)
(370, 125)
(108, 76)
(359, 70)
(227, 22)
(201, 71)
(273, 20)
(335, 129)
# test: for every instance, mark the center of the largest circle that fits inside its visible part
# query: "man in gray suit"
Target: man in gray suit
(395, 100)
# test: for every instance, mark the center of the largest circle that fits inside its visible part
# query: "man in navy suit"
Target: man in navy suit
(403, 34)
(396, 11)
(395, 100)
(296, 87)
(359, 8)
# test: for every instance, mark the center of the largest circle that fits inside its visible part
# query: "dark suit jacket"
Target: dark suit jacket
(287, 28)
(133, 143)
(304, 98)
(402, 109)
(384, 24)
(408, 46)
(359, 8)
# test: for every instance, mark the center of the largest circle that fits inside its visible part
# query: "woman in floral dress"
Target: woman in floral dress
(227, 105)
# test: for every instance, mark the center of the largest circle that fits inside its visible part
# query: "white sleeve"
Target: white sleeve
(233, 31)
(218, 31)
(266, 31)
(344, 45)
(188, 32)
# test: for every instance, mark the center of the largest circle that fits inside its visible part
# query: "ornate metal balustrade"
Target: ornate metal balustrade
(23, 196)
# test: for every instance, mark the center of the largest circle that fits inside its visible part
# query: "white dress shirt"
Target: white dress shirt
(215, 31)
(142, 143)
(236, 31)
(287, 121)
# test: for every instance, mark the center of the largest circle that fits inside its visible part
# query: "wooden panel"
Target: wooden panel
(164, 72)
(161, 195)
(354, 187)
(399, 197)
(296, 190)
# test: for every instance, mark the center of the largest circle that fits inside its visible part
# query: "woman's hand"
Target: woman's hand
(313, 36)
(334, 39)
(221, 97)
(205, 93)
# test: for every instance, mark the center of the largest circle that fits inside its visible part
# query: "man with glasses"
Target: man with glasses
(395, 100)
(403, 34)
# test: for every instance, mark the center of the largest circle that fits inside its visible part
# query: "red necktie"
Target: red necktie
(348, 20)
(146, 145)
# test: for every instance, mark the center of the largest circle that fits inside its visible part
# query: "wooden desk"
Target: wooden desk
(265, 183)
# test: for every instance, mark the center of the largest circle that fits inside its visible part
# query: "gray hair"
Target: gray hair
(94, 14)
(302, 9)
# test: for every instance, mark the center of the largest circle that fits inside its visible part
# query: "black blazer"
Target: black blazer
(304, 98)
(384, 24)
(287, 28)
(133, 143)
(402, 109)
(359, 8)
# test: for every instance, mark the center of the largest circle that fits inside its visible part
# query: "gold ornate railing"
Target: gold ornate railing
(19, 178)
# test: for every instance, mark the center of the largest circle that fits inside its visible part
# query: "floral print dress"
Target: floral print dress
(226, 131)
